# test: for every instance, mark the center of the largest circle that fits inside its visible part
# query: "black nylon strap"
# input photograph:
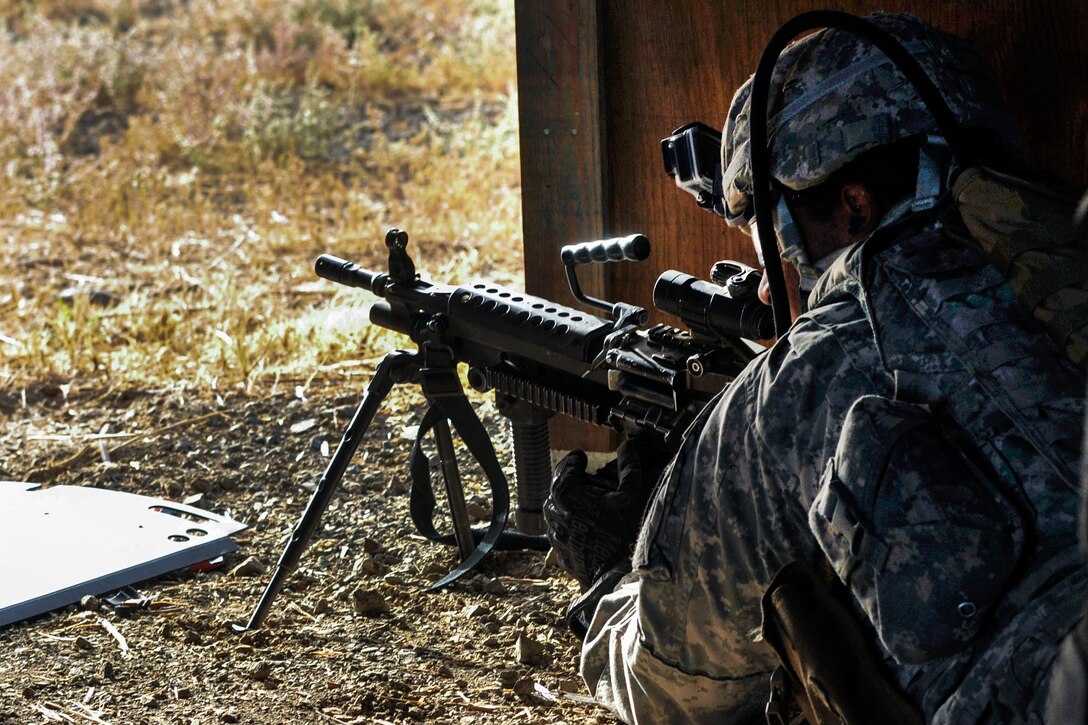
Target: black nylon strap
(422, 502)
(443, 390)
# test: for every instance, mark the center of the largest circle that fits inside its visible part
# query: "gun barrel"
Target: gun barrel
(346, 273)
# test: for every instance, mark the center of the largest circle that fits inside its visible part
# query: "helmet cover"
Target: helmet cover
(834, 96)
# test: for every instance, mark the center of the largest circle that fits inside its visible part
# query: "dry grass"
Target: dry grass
(175, 166)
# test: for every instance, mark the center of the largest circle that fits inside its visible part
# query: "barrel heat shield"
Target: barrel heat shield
(525, 325)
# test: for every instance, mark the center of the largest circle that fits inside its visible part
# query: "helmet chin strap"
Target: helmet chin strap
(791, 245)
(933, 169)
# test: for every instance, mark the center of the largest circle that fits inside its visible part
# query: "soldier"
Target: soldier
(914, 431)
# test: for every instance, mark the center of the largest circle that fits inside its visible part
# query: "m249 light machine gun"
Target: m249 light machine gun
(539, 358)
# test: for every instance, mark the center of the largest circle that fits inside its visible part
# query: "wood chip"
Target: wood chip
(116, 634)
(303, 425)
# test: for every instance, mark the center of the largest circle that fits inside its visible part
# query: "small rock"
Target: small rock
(320, 444)
(434, 569)
(94, 297)
(228, 717)
(106, 672)
(444, 671)
(200, 485)
(183, 445)
(261, 671)
(371, 546)
(476, 512)
(90, 603)
(369, 603)
(253, 637)
(524, 686)
(474, 611)
(49, 390)
(183, 693)
(83, 643)
(367, 567)
(320, 606)
(527, 650)
(508, 677)
(496, 587)
(191, 637)
(572, 686)
(477, 582)
(252, 566)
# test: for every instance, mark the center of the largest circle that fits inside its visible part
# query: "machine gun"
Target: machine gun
(539, 358)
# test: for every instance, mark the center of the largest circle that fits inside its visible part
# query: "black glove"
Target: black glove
(593, 520)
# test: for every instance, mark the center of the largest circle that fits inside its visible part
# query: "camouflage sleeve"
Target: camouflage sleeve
(626, 676)
(678, 644)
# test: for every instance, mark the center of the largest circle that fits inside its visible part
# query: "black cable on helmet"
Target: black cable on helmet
(935, 103)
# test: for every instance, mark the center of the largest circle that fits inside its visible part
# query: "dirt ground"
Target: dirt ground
(322, 656)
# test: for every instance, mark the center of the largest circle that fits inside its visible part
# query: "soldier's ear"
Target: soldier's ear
(862, 208)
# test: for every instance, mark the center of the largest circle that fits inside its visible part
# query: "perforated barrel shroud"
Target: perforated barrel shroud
(527, 326)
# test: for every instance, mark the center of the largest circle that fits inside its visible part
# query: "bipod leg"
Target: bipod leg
(455, 491)
(395, 367)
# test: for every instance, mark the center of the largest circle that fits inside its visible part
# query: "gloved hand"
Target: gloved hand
(593, 520)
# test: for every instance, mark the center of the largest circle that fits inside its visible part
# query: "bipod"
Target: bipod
(396, 367)
(435, 369)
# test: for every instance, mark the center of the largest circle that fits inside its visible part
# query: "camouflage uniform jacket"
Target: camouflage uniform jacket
(919, 431)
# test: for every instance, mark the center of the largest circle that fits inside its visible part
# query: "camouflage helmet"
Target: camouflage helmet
(834, 95)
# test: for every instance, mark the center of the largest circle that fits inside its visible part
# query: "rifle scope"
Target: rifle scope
(708, 309)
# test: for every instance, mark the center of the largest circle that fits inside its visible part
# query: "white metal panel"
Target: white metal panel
(58, 544)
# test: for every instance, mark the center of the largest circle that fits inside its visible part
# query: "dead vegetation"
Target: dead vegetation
(169, 169)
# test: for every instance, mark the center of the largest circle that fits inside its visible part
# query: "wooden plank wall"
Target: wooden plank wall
(560, 108)
(657, 64)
